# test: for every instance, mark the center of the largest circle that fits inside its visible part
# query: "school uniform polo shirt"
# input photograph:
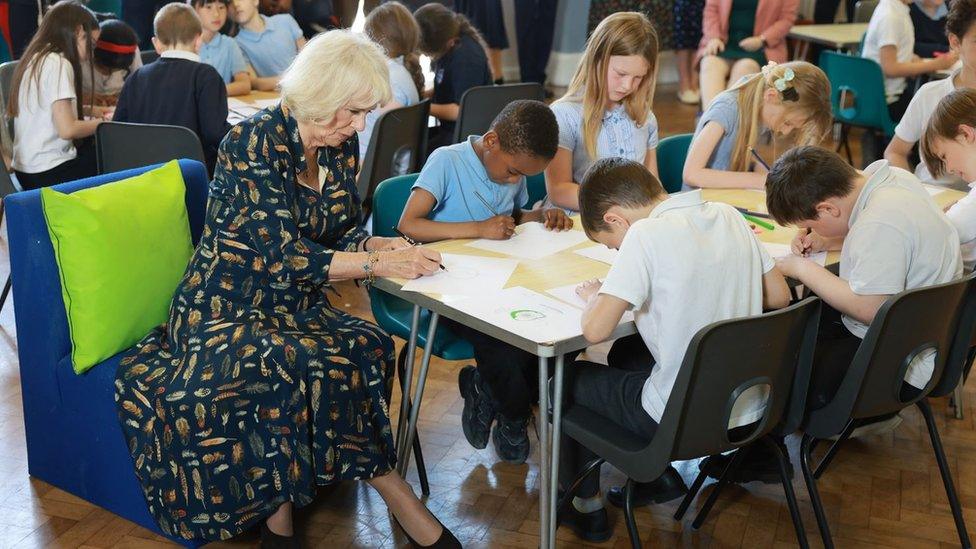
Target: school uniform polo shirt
(455, 176)
(912, 125)
(271, 51)
(688, 264)
(223, 54)
(898, 240)
(891, 25)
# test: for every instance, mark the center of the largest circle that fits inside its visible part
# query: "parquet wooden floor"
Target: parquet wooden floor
(884, 491)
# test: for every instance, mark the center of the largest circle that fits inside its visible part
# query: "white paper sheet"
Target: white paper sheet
(598, 253)
(532, 241)
(532, 315)
(567, 293)
(465, 275)
(934, 190)
(782, 250)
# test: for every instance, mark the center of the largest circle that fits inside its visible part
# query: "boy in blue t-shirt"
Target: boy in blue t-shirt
(476, 189)
(219, 50)
(268, 43)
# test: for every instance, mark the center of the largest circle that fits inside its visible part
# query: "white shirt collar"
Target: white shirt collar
(180, 54)
(678, 200)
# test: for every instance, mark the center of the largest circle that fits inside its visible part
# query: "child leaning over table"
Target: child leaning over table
(683, 264)
(475, 189)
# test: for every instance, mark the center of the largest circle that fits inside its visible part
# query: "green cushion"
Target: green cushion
(121, 250)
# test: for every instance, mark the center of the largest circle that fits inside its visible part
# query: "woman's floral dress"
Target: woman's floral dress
(257, 389)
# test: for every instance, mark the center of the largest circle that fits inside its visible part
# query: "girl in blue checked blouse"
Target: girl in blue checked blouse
(219, 50)
(607, 110)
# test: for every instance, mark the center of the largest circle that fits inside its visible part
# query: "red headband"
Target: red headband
(116, 48)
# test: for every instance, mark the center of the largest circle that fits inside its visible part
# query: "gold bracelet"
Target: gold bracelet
(371, 259)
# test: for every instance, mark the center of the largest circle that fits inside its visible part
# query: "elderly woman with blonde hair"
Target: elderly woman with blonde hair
(257, 390)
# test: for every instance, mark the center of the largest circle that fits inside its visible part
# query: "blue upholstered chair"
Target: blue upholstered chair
(74, 440)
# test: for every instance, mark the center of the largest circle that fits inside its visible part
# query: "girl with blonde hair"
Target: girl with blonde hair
(792, 99)
(607, 110)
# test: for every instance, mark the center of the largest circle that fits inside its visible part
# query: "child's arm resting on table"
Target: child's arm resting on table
(603, 312)
(553, 218)
(414, 222)
(696, 174)
(562, 190)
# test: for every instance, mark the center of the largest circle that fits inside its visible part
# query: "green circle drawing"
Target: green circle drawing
(523, 315)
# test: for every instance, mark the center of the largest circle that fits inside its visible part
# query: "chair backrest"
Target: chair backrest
(389, 200)
(963, 340)
(148, 56)
(536, 185)
(863, 10)
(723, 360)
(122, 145)
(908, 324)
(42, 328)
(7, 128)
(671, 154)
(394, 148)
(857, 91)
(481, 104)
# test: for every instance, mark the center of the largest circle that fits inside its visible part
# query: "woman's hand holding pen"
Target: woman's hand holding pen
(385, 244)
(498, 227)
(410, 262)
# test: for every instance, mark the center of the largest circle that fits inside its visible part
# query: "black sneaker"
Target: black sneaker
(667, 487)
(511, 438)
(593, 527)
(479, 412)
(758, 464)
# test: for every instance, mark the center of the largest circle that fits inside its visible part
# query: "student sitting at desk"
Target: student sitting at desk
(683, 264)
(219, 50)
(961, 29)
(929, 20)
(268, 43)
(891, 236)
(177, 89)
(475, 189)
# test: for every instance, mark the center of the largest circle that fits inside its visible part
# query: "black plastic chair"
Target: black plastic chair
(961, 354)
(873, 384)
(395, 148)
(481, 104)
(6, 188)
(148, 56)
(122, 145)
(723, 360)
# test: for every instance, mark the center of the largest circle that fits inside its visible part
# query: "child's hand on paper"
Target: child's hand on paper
(499, 227)
(589, 289)
(412, 262)
(807, 242)
(555, 219)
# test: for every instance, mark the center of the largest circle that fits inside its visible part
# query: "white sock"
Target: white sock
(588, 505)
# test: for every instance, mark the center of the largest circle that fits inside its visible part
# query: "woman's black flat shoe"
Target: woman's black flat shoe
(446, 541)
(270, 540)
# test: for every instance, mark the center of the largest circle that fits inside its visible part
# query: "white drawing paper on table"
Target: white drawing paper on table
(783, 250)
(568, 294)
(598, 253)
(465, 275)
(532, 241)
(529, 314)
(934, 190)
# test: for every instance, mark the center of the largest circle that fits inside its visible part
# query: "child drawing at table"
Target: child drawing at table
(476, 189)
(791, 99)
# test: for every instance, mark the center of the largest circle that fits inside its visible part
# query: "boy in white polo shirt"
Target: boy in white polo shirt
(683, 264)
(961, 28)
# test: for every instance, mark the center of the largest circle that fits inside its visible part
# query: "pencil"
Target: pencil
(485, 202)
(754, 214)
(413, 242)
(764, 224)
(759, 158)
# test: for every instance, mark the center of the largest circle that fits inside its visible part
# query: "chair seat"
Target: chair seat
(605, 438)
(394, 315)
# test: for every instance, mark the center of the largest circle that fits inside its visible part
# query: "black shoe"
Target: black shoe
(270, 540)
(593, 527)
(760, 463)
(446, 541)
(479, 412)
(511, 438)
(667, 487)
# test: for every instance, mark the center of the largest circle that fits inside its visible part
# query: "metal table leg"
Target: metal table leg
(557, 427)
(957, 401)
(544, 456)
(407, 382)
(419, 395)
